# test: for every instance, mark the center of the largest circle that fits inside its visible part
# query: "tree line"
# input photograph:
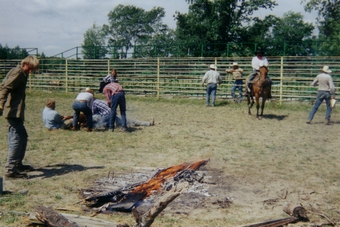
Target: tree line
(214, 28)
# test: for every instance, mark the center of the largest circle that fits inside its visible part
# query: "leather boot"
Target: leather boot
(88, 129)
(327, 122)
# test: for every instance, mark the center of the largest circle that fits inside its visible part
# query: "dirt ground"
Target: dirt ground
(255, 166)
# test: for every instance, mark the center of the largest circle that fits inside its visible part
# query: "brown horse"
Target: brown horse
(260, 88)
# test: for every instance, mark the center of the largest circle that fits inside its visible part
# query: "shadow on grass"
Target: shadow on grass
(273, 116)
(59, 169)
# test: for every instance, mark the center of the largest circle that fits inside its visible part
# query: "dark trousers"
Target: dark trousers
(81, 107)
(118, 99)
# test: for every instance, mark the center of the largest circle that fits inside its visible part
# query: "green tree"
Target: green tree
(211, 24)
(4, 52)
(160, 45)
(328, 24)
(130, 26)
(93, 46)
(292, 35)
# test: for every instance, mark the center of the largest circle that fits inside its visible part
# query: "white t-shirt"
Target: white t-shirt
(256, 62)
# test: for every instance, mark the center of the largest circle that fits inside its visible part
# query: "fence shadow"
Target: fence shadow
(59, 169)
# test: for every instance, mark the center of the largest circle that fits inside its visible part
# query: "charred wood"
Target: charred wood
(52, 218)
(145, 214)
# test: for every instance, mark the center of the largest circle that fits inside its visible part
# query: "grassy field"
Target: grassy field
(279, 158)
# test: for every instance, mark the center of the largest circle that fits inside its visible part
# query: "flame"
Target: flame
(155, 183)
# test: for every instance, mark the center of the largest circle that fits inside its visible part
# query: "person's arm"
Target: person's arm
(204, 78)
(332, 88)
(12, 80)
(106, 78)
(108, 93)
(315, 82)
(219, 79)
(255, 63)
(57, 118)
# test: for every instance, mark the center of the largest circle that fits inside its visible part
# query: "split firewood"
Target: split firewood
(52, 218)
(93, 222)
(145, 215)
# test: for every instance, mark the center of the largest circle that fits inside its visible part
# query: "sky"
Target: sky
(54, 26)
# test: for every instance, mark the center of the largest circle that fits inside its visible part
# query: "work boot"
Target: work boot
(25, 168)
(14, 174)
(88, 129)
(308, 122)
(327, 122)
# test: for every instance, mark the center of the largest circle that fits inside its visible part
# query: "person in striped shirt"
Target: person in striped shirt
(115, 97)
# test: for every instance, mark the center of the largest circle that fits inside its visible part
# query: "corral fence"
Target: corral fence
(180, 77)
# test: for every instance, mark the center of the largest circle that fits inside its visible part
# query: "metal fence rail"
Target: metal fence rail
(176, 76)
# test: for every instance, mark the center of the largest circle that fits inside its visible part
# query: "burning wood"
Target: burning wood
(128, 197)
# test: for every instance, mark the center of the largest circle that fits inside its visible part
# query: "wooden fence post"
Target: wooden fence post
(66, 76)
(158, 79)
(281, 79)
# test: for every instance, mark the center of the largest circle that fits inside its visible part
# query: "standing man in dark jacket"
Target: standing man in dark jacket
(12, 106)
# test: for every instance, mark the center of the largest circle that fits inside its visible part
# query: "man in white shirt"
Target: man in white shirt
(256, 62)
(326, 89)
(212, 78)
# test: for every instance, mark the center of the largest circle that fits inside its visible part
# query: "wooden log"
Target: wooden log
(93, 222)
(274, 223)
(52, 218)
(145, 215)
(296, 211)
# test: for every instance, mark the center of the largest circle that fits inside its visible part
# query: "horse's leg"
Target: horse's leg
(262, 106)
(249, 104)
(257, 98)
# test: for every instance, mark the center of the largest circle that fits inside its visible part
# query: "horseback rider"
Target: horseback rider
(257, 61)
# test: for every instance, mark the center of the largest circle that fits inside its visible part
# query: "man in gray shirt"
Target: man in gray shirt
(212, 78)
(326, 89)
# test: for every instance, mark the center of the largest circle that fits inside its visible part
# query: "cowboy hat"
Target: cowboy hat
(326, 69)
(212, 66)
(89, 90)
(259, 51)
(235, 64)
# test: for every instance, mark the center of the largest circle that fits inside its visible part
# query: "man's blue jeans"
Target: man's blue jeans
(322, 95)
(17, 143)
(238, 84)
(118, 99)
(81, 107)
(211, 90)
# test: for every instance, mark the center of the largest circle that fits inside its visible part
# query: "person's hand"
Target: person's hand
(109, 104)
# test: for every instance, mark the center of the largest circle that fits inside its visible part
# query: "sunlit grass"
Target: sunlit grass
(280, 147)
